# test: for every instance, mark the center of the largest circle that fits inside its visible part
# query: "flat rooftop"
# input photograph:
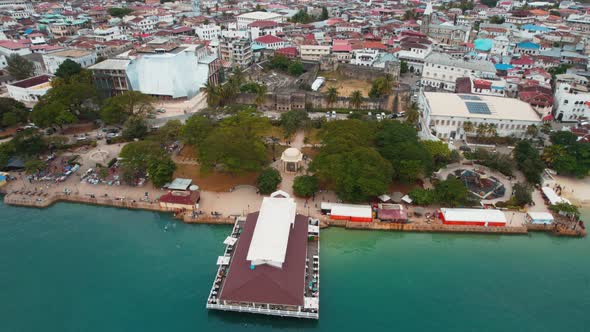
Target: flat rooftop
(479, 107)
(33, 81)
(265, 283)
(111, 64)
(71, 53)
(260, 16)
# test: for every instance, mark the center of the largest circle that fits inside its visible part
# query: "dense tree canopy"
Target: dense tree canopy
(12, 112)
(293, 120)
(305, 185)
(68, 101)
(235, 144)
(451, 192)
(196, 129)
(529, 161)
(68, 68)
(398, 143)
(135, 127)
(146, 157)
(568, 156)
(119, 108)
(119, 12)
(268, 181)
(19, 67)
(170, 132)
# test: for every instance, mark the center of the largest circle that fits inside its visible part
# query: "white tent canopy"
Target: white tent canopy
(540, 217)
(553, 197)
(223, 260)
(230, 240)
(312, 229)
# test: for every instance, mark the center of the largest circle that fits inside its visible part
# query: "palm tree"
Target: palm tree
(260, 95)
(413, 114)
(546, 128)
(212, 94)
(468, 127)
(532, 130)
(481, 130)
(388, 83)
(238, 76)
(356, 99)
(331, 96)
(492, 130)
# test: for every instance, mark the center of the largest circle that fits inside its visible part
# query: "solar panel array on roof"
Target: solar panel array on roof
(477, 108)
(469, 97)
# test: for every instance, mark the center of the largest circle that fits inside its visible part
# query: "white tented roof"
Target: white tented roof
(312, 229)
(474, 215)
(271, 235)
(352, 210)
(542, 216)
(553, 197)
(230, 240)
(223, 260)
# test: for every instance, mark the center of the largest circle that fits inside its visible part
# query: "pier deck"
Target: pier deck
(309, 310)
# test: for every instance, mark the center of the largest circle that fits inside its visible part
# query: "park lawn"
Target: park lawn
(311, 136)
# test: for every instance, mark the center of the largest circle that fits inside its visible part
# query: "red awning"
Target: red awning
(548, 117)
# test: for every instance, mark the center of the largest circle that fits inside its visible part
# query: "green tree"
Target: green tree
(496, 19)
(523, 194)
(439, 151)
(135, 127)
(356, 174)
(529, 161)
(260, 95)
(546, 128)
(196, 129)
(12, 112)
(331, 96)
(296, 68)
(68, 68)
(170, 132)
(398, 143)
(119, 108)
(34, 166)
(568, 209)
(403, 67)
(293, 120)
(325, 14)
(451, 192)
(356, 99)
(489, 3)
(421, 196)
(280, 62)
(413, 115)
(301, 17)
(119, 12)
(28, 143)
(468, 127)
(19, 67)
(236, 145)
(146, 157)
(7, 150)
(268, 181)
(381, 87)
(67, 101)
(305, 185)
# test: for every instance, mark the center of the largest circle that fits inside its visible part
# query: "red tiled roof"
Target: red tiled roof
(268, 39)
(287, 51)
(482, 84)
(267, 284)
(29, 82)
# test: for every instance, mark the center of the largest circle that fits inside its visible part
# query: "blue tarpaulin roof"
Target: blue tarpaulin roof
(503, 66)
(483, 44)
(528, 45)
(532, 27)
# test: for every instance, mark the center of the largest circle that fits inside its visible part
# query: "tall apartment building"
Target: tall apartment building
(236, 51)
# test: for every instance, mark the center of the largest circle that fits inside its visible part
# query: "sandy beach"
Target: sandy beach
(576, 190)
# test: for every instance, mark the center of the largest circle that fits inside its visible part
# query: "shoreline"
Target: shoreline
(230, 220)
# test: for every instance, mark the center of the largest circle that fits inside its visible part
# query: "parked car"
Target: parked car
(465, 148)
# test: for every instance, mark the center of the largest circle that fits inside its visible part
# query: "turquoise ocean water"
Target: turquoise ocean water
(82, 268)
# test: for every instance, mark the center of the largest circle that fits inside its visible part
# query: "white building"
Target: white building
(364, 57)
(270, 42)
(144, 24)
(208, 31)
(314, 52)
(263, 28)
(54, 59)
(571, 102)
(245, 19)
(29, 90)
(108, 33)
(441, 70)
(444, 114)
